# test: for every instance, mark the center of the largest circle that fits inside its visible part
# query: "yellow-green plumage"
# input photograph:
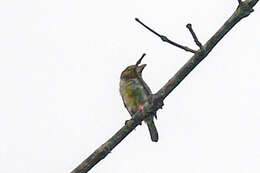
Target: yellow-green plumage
(135, 93)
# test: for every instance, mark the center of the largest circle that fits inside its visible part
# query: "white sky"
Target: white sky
(60, 67)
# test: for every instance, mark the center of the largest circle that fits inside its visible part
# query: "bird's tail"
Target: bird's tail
(152, 129)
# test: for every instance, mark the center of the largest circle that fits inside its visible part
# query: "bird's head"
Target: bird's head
(133, 71)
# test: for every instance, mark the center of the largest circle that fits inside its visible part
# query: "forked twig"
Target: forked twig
(165, 39)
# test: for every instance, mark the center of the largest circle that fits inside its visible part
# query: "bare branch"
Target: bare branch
(165, 39)
(239, 14)
(194, 35)
(107, 147)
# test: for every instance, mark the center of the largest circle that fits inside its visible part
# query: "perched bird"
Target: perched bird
(135, 93)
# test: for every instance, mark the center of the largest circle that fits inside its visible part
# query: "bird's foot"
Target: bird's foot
(126, 122)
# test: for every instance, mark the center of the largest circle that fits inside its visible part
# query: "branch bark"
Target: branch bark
(243, 10)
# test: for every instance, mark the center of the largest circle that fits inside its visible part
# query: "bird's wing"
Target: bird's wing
(125, 103)
(126, 107)
(146, 87)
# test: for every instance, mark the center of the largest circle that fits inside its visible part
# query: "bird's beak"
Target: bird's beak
(140, 68)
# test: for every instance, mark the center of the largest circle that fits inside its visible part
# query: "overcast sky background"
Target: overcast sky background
(60, 66)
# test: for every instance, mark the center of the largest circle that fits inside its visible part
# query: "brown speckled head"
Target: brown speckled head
(132, 71)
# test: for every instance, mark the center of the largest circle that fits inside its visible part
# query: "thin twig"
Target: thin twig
(194, 35)
(239, 1)
(164, 38)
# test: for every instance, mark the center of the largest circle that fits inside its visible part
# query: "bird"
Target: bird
(135, 93)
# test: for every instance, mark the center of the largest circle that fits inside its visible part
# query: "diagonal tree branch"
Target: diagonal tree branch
(243, 10)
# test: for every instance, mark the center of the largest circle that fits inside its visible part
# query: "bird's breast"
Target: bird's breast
(133, 94)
